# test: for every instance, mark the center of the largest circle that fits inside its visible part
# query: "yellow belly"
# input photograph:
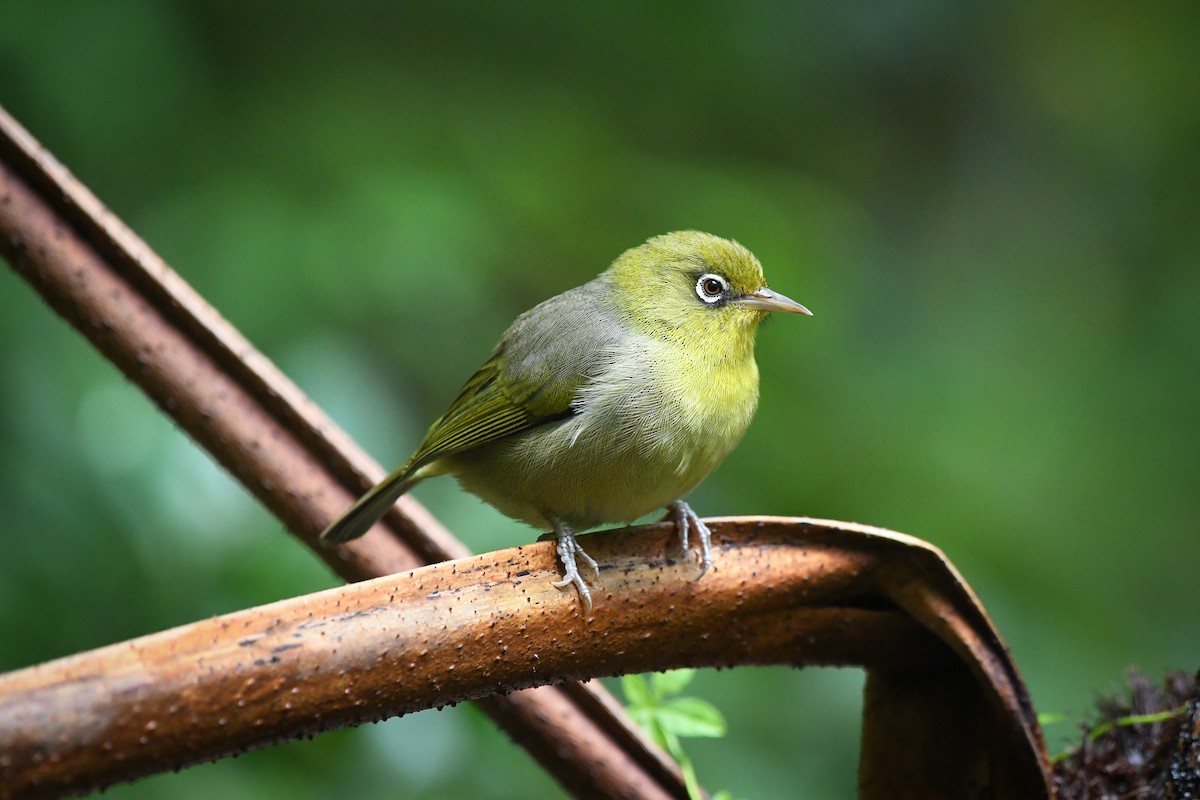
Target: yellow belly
(642, 438)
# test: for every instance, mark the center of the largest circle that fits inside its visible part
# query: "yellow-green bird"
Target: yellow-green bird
(607, 401)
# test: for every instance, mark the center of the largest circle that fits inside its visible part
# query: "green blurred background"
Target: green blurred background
(991, 208)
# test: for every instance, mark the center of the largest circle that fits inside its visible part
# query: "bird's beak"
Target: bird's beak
(766, 300)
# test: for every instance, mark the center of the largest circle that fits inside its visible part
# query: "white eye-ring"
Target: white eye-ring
(711, 288)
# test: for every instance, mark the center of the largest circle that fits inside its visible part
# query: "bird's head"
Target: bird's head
(694, 288)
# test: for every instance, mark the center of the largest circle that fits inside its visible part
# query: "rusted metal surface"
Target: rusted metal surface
(944, 717)
(927, 735)
(256, 423)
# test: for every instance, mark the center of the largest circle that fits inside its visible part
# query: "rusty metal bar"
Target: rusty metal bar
(944, 717)
(201, 372)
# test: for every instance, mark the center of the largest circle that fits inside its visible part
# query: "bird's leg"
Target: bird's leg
(686, 519)
(568, 549)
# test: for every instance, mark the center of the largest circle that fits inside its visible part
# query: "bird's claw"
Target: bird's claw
(685, 519)
(568, 550)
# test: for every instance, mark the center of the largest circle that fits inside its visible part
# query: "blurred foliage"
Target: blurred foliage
(990, 207)
(653, 702)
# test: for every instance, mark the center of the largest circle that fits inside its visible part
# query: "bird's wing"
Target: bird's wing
(483, 412)
(531, 379)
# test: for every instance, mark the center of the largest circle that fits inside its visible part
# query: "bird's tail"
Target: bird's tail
(370, 507)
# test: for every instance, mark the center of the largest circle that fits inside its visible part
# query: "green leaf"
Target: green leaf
(637, 692)
(691, 716)
(669, 742)
(664, 739)
(643, 716)
(1121, 722)
(671, 682)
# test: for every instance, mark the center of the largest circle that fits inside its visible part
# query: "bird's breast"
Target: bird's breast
(647, 428)
(667, 405)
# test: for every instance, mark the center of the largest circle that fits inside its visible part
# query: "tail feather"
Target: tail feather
(369, 508)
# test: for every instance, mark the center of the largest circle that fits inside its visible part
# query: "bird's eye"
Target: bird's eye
(710, 288)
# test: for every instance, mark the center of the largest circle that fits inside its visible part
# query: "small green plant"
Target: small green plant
(1135, 719)
(1105, 727)
(655, 705)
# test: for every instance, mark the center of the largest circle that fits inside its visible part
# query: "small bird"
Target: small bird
(605, 402)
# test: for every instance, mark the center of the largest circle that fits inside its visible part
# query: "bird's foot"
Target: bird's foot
(685, 520)
(568, 551)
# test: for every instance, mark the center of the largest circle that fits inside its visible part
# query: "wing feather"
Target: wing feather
(485, 410)
(534, 376)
